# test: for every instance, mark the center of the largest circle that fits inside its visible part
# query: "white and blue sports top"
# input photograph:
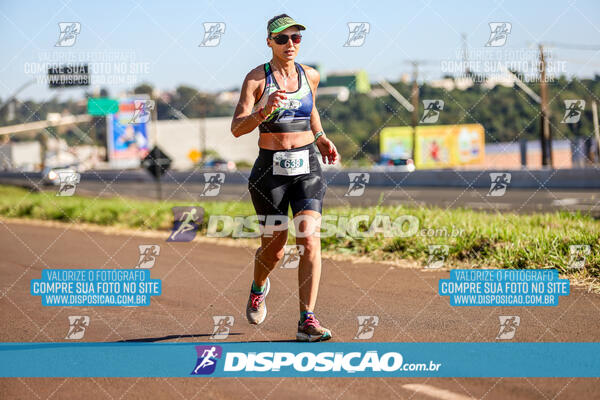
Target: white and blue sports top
(294, 116)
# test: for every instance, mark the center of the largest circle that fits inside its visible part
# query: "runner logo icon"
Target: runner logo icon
(148, 254)
(499, 32)
(223, 324)
(212, 34)
(437, 256)
(431, 114)
(68, 33)
(207, 359)
(213, 182)
(573, 111)
(366, 326)
(142, 111)
(186, 221)
(500, 181)
(578, 253)
(68, 181)
(357, 33)
(508, 327)
(358, 183)
(291, 256)
(77, 325)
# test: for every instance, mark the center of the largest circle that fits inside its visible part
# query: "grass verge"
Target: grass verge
(474, 239)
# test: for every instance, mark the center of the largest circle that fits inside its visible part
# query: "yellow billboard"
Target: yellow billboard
(438, 146)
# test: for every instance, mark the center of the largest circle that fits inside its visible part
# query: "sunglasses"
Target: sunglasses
(283, 39)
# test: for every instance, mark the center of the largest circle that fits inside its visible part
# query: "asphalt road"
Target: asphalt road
(201, 280)
(514, 200)
(190, 188)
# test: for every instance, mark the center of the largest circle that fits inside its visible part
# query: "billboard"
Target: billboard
(127, 140)
(438, 146)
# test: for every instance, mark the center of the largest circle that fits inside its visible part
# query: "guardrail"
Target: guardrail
(581, 178)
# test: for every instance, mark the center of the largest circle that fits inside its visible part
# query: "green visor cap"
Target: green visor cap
(283, 23)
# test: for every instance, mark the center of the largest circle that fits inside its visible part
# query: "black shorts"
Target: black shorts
(273, 194)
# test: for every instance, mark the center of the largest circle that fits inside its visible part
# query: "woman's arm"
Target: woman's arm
(244, 121)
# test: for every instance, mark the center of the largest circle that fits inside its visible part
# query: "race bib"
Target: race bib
(291, 163)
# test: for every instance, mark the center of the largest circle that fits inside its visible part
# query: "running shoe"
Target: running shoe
(256, 309)
(311, 330)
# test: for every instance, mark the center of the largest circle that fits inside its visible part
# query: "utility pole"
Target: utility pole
(546, 136)
(415, 111)
(203, 134)
(13, 96)
(465, 55)
(596, 130)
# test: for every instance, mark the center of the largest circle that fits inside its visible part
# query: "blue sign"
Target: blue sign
(95, 287)
(277, 359)
(504, 287)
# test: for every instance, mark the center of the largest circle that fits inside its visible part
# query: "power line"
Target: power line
(560, 45)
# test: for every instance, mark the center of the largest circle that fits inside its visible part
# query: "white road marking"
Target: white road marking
(488, 205)
(434, 392)
(565, 202)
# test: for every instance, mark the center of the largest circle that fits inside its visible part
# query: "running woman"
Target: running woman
(279, 98)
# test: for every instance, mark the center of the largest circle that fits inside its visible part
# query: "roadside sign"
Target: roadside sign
(102, 106)
(156, 162)
(194, 155)
(127, 140)
(69, 75)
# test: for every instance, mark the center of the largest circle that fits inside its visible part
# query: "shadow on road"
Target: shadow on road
(168, 337)
(267, 341)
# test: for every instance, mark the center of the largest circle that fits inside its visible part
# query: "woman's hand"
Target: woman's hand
(276, 100)
(328, 150)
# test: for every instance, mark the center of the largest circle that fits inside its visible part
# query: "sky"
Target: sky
(134, 41)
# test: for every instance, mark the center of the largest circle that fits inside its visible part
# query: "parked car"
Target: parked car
(401, 164)
(220, 164)
(51, 175)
